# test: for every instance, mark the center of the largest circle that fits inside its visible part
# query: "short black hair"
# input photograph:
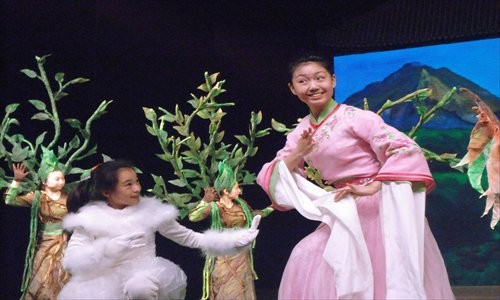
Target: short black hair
(321, 59)
(103, 178)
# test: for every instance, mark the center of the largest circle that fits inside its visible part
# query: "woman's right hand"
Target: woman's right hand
(19, 171)
(304, 146)
(306, 143)
(120, 245)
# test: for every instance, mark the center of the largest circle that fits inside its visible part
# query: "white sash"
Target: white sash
(346, 250)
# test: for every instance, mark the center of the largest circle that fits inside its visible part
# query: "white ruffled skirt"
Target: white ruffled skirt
(108, 283)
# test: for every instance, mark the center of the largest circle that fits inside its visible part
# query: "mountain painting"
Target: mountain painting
(470, 247)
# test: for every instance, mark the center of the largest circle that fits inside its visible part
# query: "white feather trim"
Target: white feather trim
(102, 220)
(220, 243)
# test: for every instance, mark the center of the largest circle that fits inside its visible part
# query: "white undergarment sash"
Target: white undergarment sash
(346, 250)
(403, 221)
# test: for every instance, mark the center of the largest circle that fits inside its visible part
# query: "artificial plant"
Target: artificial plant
(483, 156)
(194, 154)
(16, 147)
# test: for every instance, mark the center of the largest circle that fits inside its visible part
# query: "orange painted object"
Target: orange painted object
(493, 171)
(487, 129)
(480, 136)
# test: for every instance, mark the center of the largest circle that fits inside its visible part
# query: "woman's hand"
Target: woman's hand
(19, 171)
(120, 245)
(358, 190)
(306, 142)
(304, 146)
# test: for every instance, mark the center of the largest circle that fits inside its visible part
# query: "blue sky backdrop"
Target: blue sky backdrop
(478, 61)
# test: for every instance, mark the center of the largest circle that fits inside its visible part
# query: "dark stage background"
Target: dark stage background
(154, 53)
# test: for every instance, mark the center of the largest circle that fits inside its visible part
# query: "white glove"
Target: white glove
(142, 285)
(252, 233)
(212, 242)
(120, 245)
(229, 242)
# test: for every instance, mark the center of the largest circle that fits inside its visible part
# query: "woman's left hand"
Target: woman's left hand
(358, 190)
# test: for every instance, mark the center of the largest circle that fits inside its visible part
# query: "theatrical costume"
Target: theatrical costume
(47, 275)
(228, 277)
(97, 275)
(377, 246)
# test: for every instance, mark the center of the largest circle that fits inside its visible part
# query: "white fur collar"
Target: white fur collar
(100, 219)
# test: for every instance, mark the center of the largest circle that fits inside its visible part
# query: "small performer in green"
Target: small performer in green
(43, 276)
(227, 277)
(39, 177)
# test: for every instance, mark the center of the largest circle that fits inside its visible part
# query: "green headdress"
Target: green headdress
(226, 178)
(49, 163)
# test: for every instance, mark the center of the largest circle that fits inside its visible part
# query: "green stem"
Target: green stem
(4, 128)
(432, 155)
(177, 168)
(104, 104)
(211, 149)
(423, 119)
(401, 100)
(55, 114)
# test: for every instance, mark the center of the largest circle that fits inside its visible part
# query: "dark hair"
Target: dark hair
(327, 63)
(104, 178)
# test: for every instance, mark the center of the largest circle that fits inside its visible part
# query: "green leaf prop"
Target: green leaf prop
(194, 154)
(42, 156)
(17, 147)
(476, 170)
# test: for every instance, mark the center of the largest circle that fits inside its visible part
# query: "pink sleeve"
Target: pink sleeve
(400, 156)
(264, 178)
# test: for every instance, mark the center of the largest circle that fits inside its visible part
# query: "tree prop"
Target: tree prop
(425, 114)
(194, 160)
(483, 154)
(16, 147)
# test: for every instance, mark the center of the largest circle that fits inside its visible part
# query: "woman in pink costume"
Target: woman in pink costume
(373, 241)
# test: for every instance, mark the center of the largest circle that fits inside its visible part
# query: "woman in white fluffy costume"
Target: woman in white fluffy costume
(111, 253)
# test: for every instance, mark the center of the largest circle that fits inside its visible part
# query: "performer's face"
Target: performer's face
(55, 181)
(235, 191)
(313, 85)
(127, 190)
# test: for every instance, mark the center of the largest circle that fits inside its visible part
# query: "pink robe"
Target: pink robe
(377, 246)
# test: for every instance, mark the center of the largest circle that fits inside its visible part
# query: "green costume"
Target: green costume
(228, 277)
(43, 275)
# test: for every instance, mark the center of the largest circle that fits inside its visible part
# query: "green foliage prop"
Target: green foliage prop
(40, 156)
(195, 160)
(16, 147)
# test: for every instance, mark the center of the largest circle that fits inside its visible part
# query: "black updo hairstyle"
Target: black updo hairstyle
(104, 178)
(321, 59)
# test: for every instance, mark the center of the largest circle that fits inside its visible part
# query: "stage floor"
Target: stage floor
(476, 292)
(461, 293)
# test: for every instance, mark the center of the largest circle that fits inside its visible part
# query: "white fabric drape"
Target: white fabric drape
(346, 250)
(403, 223)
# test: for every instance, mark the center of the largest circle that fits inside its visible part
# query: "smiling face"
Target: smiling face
(55, 181)
(127, 190)
(313, 84)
